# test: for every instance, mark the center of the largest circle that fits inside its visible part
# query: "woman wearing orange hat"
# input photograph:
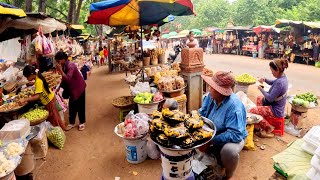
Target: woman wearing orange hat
(228, 114)
(272, 103)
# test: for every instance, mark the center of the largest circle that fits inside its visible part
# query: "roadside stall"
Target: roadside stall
(232, 37)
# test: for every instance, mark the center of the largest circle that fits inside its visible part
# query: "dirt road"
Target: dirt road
(97, 153)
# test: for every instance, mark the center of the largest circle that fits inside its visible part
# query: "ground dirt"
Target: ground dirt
(97, 153)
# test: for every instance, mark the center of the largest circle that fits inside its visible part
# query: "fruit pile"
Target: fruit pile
(147, 98)
(245, 78)
(35, 114)
(26, 93)
(306, 100)
(57, 137)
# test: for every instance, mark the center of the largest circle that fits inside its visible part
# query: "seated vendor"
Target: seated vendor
(228, 114)
(272, 104)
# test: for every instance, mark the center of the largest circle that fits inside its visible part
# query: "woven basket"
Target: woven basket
(129, 98)
(33, 123)
(245, 84)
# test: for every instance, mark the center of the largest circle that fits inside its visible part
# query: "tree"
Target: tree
(77, 13)
(72, 5)
(42, 6)
(28, 5)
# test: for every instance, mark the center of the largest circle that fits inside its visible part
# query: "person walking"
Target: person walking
(74, 88)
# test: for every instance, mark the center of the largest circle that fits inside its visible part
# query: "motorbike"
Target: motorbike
(173, 56)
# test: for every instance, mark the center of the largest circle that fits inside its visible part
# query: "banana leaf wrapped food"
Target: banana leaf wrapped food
(163, 140)
(174, 116)
(201, 135)
(193, 123)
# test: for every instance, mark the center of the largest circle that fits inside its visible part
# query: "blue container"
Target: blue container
(254, 55)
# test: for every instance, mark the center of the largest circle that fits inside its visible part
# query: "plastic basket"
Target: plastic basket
(148, 108)
(241, 88)
(278, 124)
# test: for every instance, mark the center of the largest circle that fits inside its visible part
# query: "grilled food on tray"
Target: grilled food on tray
(188, 143)
(156, 114)
(195, 114)
(163, 140)
(176, 132)
(201, 134)
(174, 116)
(193, 123)
(158, 124)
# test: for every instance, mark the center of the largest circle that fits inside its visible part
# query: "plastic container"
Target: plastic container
(176, 165)
(315, 163)
(278, 124)
(17, 129)
(241, 88)
(136, 150)
(313, 174)
(148, 108)
(312, 140)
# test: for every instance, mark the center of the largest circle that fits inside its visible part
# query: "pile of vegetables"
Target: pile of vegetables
(245, 78)
(57, 137)
(147, 98)
(35, 114)
(305, 100)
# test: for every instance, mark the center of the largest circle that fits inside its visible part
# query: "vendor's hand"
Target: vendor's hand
(205, 147)
(262, 80)
(22, 101)
(260, 88)
(59, 68)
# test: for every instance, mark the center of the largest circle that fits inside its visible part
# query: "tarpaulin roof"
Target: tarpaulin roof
(137, 12)
(239, 28)
(284, 22)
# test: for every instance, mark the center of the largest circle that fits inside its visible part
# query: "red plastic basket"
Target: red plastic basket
(278, 124)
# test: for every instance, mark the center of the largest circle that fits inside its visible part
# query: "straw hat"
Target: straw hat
(221, 82)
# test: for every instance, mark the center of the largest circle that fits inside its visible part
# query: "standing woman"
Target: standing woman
(44, 94)
(272, 103)
(74, 85)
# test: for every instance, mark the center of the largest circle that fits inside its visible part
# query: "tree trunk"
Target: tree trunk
(77, 13)
(72, 6)
(16, 3)
(42, 6)
(28, 5)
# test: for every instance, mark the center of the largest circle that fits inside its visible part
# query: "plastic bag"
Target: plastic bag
(249, 140)
(56, 136)
(39, 144)
(140, 87)
(136, 125)
(152, 150)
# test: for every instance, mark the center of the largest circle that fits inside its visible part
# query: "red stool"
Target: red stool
(278, 124)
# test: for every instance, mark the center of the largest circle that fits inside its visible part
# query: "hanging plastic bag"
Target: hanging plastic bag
(152, 149)
(46, 47)
(56, 136)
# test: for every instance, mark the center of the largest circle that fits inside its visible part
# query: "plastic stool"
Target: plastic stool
(123, 113)
(278, 124)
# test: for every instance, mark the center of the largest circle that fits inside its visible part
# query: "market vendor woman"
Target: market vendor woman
(44, 94)
(272, 104)
(228, 113)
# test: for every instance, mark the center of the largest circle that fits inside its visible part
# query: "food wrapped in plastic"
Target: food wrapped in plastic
(179, 81)
(193, 123)
(174, 116)
(156, 114)
(163, 140)
(188, 143)
(176, 132)
(201, 135)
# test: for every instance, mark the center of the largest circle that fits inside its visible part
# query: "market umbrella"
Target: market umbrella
(137, 12)
(184, 33)
(172, 33)
(261, 29)
(197, 32)
(165, 36)
(12, 11)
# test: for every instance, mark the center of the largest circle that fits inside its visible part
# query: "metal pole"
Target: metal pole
(142, 55)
